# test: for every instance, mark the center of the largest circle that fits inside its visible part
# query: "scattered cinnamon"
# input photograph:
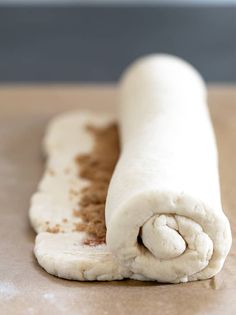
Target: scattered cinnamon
(93, 242)
(51, 172)
(54, 229)
(76, 213)
(97, 167)
(73, 192)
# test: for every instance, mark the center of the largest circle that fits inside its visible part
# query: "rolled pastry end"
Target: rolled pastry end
(161, 237)
(162, 72)
(175, 239)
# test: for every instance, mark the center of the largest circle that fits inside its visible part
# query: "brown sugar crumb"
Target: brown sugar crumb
(73, 192)
(79, 227)
(76, 213)
(54, 229)
(97, 167)
(64, 220)
(91, 242)
(51, 172)
(47, 222)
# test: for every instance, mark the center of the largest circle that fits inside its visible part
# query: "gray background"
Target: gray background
(75, 42)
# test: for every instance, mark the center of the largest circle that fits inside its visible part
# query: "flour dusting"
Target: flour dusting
(7, 290)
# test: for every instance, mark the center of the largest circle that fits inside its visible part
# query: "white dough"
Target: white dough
(63, 254)
(165, 187)
(65, 138)
(164, 215)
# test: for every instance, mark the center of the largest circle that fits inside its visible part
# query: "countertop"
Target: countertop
(25, 288)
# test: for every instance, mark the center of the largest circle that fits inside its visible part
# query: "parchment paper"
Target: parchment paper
(27, 289)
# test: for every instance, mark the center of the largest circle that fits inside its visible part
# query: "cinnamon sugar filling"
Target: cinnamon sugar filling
(97, 167)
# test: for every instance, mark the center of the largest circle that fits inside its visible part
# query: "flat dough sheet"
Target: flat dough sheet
(63, 253)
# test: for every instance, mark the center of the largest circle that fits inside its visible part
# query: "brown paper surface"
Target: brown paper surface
(25, 288)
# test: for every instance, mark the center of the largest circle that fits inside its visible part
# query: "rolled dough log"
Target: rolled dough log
(164, 215)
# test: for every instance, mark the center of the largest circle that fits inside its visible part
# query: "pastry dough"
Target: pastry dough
(165, 188)
(63, 253)
(164, 216)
